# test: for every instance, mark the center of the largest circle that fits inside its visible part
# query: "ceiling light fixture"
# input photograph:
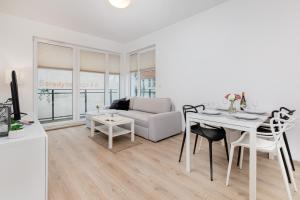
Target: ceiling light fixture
(120, 3)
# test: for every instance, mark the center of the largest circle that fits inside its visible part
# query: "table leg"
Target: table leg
(188, 146)
(110, 137)
(92, 128)
(252, 165)
(132, 131)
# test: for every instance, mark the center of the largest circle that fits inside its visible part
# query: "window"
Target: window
(72, 80)
(133, 75)
(147, 74)
(55, 88)
(92, 81)
(142, 74)
(114, 77)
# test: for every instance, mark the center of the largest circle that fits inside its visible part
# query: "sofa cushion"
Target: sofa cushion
(140, 118)
(131, 103)
(155, 105)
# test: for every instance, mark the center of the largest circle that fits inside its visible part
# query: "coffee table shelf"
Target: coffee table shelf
(117, 131)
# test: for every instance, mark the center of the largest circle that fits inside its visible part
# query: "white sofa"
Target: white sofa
(155, 119)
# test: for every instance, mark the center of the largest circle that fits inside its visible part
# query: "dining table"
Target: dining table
(229, 121)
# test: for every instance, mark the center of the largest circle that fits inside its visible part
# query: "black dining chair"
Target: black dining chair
(211, 133)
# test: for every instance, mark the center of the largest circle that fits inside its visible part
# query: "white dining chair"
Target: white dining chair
(269, 144)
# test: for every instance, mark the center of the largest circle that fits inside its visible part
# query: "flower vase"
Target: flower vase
(231, 108)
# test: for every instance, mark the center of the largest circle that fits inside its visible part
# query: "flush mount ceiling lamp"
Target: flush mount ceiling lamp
(120, 3)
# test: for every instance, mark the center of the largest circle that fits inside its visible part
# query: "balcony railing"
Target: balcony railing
(151, 93)
(51, 96)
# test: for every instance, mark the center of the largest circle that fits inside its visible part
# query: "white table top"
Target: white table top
(112, 121)
(226, 119)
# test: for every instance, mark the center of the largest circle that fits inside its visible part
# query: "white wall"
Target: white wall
(240, 45)
(16, 50)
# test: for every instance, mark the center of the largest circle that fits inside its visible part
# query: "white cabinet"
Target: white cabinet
(24, 165)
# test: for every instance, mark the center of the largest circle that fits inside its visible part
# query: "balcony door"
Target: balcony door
(54, 82)
(92, 80)
(114, 77)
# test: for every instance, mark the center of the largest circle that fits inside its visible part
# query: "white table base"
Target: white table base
(222, 122)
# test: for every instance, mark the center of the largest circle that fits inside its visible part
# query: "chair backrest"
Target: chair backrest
(192, 109)
(288, 115)
(284, 109)
(266, 132)
(278, 127)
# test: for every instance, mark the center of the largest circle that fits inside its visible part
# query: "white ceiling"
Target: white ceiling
(99, 18)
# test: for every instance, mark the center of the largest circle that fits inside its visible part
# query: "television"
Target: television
(15, 96)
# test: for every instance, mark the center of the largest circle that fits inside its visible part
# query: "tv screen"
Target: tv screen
(15, 96)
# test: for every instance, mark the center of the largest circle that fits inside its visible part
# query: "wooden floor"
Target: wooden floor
(81, 169)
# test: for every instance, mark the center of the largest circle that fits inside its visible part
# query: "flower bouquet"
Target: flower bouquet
(98, 108)
(232, 98)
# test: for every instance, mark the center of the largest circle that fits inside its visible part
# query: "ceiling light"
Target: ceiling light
(120, 3)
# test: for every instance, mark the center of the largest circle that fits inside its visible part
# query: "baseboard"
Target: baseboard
(56, 126)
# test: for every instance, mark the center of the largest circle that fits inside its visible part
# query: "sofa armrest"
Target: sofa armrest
(164, 125)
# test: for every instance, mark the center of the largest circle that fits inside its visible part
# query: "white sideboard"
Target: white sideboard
(24, 165)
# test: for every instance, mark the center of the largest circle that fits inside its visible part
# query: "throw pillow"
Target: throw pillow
(123, 105)
(115, 103)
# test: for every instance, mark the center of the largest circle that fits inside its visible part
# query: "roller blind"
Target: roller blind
(54, 56)
(92, 61)
(133, 63)
(147, 59)
(114, 63)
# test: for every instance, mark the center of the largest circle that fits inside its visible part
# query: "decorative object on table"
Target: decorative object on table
(16, 126)
(232, 98)
(243, 103)
(98, 108)
(15, 130)
(112, 113)
(5, 120)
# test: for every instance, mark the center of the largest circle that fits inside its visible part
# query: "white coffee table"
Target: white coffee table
(111, 127)
(89, 115)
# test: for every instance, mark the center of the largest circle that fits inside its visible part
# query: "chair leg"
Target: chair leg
(288, 150)
(283, 172)
(239, 154)
(226, 147)
(182, 146)
(229, 164)
(289, 166)
(285, 165)
(241, 158)
(210, 160)
(195, 145)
